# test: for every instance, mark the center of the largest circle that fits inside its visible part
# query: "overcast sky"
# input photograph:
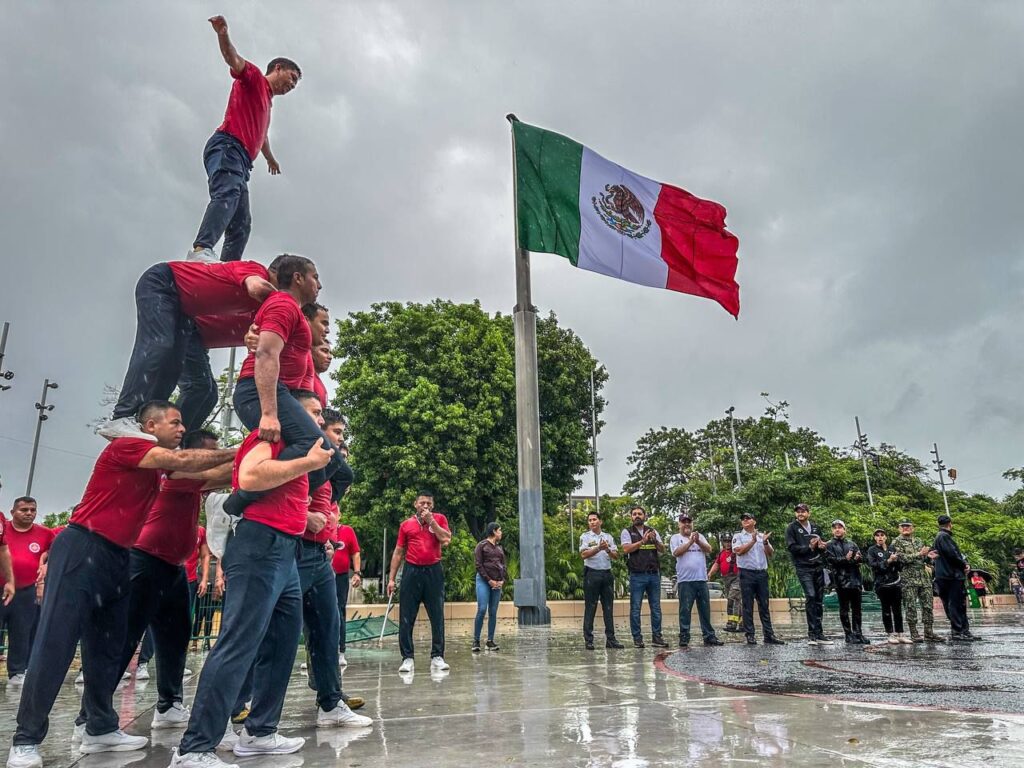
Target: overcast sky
(868, 154)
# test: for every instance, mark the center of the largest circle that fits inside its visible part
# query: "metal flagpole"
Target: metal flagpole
(862, 446)
(4, 375)
(227, 406)
(530, 595)
(43, 409)
(593, 440)
(735, 453)
(940, 468)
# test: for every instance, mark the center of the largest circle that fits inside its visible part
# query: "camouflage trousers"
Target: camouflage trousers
(914, 597)
(731, 592)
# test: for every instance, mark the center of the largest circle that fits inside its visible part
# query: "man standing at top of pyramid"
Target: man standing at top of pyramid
(230, 152)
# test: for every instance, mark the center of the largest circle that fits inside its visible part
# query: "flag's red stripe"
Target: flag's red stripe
(699, 250)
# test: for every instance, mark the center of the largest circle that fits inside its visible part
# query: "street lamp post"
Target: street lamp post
(940, 468)
(862, 446)
(4, 375)
(593, 439)
(44, 410)
(735, 453)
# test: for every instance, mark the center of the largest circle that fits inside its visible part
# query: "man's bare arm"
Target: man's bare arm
(258, 288)
(268, 368)
(268, 155)
(7, 569)
(259, 472)
(227, 49)
(186, 460)
(214, 478)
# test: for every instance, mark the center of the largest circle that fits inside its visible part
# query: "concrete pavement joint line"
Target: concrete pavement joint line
(628, 703)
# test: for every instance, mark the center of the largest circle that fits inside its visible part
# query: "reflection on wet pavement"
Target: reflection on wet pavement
(544, 701)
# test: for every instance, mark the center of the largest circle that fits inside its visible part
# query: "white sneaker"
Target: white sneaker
(342, 661)
(905, 640)
(123, 427)
(24, 756)
(408, 665)
(18, 679)
(198, 760)
(825, 641)
(439, 663)
(230, 738)
(80, 680)
(187, 673)
(174, 717)
(811, 641)
(203, 254)
(271, 744)
(893, 639)
(303, 666)
(142, 673)
(78, 733)
(115, 741)
(341, 717)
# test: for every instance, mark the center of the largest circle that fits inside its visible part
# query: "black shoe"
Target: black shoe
(684, 643)
(732, 628)
(492, 646)
(613, 643)
(713, 641)
(931, 637)
(773, 641)
(235, 505)
(476, 646)
(852, 640)
(638, 642)
(975, 638)
(589, 645)
(918, 639)
(659, 642)
(863, 640)
(751, 640)
(961, 639)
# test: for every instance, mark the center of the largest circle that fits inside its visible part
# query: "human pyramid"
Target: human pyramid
(118, 566)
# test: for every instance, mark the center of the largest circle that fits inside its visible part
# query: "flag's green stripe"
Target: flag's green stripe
(547, 191)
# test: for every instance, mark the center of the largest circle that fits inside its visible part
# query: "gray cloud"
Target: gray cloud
(868, 155)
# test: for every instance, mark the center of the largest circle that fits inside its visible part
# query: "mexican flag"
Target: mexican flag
(604, 218)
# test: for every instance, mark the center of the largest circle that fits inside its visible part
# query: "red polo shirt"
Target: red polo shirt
(320, 389)
(281, 314)
(727, 563)
(27, 549)
(216, 288)
(247, 116)
(192, 564)
(282, 508)
(345, 546)
(421, 545)
(322, 503)
(224, 331)
(119, 494)
(170, 529)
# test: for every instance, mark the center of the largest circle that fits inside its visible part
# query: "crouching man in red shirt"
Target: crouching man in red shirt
(261, 619)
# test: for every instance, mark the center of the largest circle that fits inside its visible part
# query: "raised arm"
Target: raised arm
(260, 472)
(227, 49)
(214, 479)
(185, 460)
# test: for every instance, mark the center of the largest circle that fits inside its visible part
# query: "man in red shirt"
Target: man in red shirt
(28, 544)
(346, 562)
(725, 566)
(320, 600)
(261, 619)
(230, 152)
(168, 297)
(282, 362)
(87, 585)
(420, 539)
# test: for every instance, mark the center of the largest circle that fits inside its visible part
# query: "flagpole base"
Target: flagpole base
(535, 617)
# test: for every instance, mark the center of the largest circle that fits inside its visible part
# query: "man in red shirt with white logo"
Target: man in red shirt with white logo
(28, 544)
(420, 539)
(168, 297)
(725, 566)
(230, 152)
(320, 600)
(282, 362)
(346, 562)
(261, 619)
(86, 596)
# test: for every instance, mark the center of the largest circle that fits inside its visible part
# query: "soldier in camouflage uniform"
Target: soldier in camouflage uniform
(912, 553)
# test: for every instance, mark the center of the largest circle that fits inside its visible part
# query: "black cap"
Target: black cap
(745, 515)
(945, 520)
(801, 505)
(726, 537)
(878, 531)
(906, 521)
(684, 516)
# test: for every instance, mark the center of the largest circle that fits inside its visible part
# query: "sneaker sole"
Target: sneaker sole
(160, 725)
(242, 751)
(93, 749)
(342, 724)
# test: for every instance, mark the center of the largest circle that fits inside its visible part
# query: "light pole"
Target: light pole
(735, 454)
(940, 468)
(4, 375)
(714, 480)
(862, 446)
(593, 441)
(43, 409)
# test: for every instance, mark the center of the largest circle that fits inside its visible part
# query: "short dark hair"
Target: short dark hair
(332, 416)
(152, 409)
(491, 528)
(636, 507)
(310, 310)
(23, 500)
(281, 61)
(593, 514)
(428, 494)
(272, 267)
(288, 265)
(197, 437)
(305, 394)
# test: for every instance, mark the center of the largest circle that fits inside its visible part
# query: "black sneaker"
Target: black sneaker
(659, 642)
(684, 643)
(713, 641)
(751, 640)
(960, 639)
(492, 646)
(476, 646)
(975, 638)
(774, 641)
(638, 642)
(589, 645)
(613, 643)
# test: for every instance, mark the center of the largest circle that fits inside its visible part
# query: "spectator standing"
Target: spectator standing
(642, 546)
(690, 550)
(598, 550)
(490, 578)
(29, 545)
(980, 587)
(951, 569)
(807, 548)
(1017, 588)
(753, 549)
(844, 557)
(348, 573)
(885, 567)
(912, 554)
(725, 566)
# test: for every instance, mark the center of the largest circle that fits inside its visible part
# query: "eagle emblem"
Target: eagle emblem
(622, 210)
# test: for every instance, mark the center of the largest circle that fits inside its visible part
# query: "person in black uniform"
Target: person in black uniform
(885, 566)
(950, 572)
(807, 548)
(844, 558)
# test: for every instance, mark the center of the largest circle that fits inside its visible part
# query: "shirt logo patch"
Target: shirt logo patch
(33, 548)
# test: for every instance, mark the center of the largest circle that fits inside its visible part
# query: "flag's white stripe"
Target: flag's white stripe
(603, 249)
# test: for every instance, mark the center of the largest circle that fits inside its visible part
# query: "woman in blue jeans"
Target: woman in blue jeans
(490, 578)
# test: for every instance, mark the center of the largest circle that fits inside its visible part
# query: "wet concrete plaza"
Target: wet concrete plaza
(544, 701)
